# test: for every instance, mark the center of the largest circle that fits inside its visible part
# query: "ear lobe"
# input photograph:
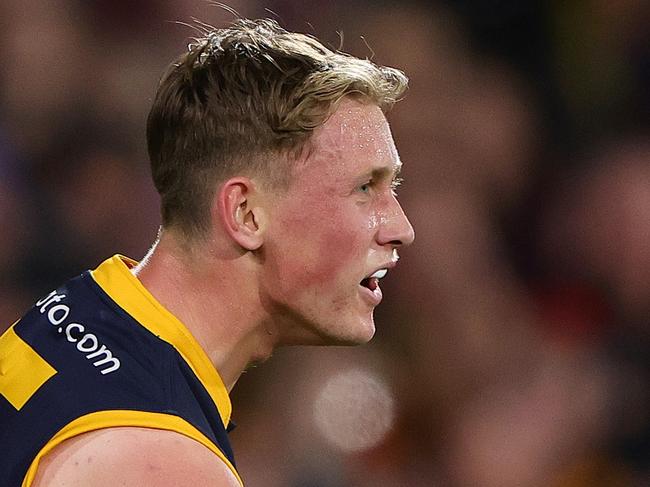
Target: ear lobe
(240, 217)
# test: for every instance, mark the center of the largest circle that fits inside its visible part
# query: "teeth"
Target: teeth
(380, 273)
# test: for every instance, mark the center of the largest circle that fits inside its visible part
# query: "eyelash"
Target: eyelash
(395, 183)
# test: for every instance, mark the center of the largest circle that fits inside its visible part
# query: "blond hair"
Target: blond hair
(240, 98)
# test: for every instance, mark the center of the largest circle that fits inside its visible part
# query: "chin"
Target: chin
(339, 330)
(357, 333)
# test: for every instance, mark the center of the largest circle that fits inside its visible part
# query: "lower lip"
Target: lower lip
(372, 297)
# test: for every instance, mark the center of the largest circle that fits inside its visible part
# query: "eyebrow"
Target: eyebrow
(386, 171)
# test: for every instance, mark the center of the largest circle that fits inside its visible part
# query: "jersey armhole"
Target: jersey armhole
(125, 418)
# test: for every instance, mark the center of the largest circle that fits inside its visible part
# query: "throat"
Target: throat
(253, 348)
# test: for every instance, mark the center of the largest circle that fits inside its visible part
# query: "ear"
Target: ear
(240, 214)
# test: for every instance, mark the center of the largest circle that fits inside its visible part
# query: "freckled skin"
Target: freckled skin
(326, 232)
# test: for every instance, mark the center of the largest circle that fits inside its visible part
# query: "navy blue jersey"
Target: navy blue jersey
(101, 352)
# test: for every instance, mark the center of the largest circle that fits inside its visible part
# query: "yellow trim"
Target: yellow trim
(115, 278)
(121, 418)
(22, 370)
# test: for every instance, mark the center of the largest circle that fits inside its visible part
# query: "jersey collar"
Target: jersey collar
(115, 278)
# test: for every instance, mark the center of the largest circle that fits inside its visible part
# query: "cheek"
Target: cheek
(326, 247)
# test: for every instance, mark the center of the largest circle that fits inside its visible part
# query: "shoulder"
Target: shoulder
(133, 456)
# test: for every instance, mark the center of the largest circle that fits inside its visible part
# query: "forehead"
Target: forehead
(355, 139)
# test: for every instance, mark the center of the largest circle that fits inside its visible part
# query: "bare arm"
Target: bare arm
(133, 457)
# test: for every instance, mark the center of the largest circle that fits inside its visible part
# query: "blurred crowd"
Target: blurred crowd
(513, 344)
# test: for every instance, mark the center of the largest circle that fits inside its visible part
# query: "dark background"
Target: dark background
(512, 346)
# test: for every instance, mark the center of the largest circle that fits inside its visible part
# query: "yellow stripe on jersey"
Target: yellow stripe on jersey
(121, 418)
(22, 370)
(115, 278)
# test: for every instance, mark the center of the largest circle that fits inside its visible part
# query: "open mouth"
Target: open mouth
(372, 282)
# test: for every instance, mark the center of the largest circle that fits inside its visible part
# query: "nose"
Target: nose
(395, 228)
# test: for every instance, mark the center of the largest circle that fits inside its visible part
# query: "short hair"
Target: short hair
(245, 100)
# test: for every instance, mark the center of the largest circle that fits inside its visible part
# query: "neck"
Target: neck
(216, 299)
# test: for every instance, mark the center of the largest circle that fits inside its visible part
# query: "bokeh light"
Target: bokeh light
(354, 410)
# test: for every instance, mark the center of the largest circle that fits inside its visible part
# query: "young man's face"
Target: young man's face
(337, 225)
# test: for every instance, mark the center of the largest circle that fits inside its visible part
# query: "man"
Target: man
(276, 169)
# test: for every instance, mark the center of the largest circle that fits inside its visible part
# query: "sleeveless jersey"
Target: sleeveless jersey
(101, 352)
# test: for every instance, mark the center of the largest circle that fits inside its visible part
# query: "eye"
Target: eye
(365, 187)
